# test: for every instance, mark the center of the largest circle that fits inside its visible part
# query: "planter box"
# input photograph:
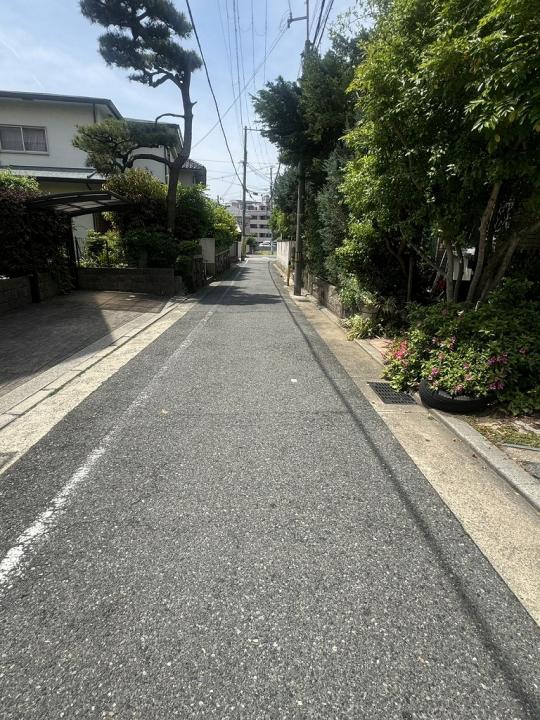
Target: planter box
(154, 281)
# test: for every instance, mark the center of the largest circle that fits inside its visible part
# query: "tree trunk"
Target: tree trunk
(410, 278)
(461, 264)
(183, 155)
(506, 260)
(174, 174)
(485, 223)
(449, 271)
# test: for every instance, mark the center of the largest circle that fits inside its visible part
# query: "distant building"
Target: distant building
(36, 139)
(257, 218)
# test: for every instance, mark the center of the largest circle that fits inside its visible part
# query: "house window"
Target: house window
(15, 138)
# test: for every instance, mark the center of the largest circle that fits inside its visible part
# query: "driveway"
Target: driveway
(38, 336)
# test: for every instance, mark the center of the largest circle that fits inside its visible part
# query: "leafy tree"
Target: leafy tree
(445, 153)
(223, 226)
(142, 35)
(112, 145)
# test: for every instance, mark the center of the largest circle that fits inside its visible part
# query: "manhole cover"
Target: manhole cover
(389, 396)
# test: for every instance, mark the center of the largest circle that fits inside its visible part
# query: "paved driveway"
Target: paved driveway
(195, 541)
(36, 337)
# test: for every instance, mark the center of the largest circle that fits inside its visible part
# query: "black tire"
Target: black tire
(441, 401)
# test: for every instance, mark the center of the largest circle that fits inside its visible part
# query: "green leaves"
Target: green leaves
(145, 38)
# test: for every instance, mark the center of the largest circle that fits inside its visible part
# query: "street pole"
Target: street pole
(244, 195)
(299, 245)
(270, 207)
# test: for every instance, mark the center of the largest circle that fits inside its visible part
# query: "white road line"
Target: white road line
(13, 565)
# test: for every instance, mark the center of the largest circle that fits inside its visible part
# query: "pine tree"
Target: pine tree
(142, 35)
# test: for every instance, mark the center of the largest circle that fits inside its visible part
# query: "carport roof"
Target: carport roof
(79, 203)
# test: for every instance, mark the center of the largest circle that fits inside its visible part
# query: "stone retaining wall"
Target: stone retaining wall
(154, 281)
(326, 294)
(223, 262)
(14, 293)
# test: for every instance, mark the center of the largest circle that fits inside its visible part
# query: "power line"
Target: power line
(325, 21)
(272, 48)
(211, 88)
(228, 44)
(319, 21)
(235, 16)
(265, 37)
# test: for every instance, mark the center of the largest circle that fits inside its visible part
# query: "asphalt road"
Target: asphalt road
(225, 545)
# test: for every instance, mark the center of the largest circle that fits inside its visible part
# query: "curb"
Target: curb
(505, 467)
(498, 461)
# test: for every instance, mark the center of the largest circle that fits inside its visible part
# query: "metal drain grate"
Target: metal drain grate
(389, 396)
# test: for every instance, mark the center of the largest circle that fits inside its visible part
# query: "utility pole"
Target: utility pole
(244, 195)
(271, 206)
(299, 249)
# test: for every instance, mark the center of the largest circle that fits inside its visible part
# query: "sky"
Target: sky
(48, 46)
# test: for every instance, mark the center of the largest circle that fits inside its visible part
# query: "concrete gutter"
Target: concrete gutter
(518, 478)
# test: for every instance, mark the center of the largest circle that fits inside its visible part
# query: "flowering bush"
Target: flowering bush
(490, 351)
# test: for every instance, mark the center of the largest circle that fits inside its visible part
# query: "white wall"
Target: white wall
(282, 253)
(60, 121)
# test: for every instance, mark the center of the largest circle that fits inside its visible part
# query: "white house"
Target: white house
(36, 139)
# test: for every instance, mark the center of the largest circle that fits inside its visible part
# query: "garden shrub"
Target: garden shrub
(223, 227)
(493, 350)
(193, 213)
(103, 250)
(150, 247)
(359, 326)
(32, 240)
(147, 197)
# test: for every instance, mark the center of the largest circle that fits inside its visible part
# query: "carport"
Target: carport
(75, 204)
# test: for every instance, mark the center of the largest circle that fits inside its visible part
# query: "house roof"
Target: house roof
(80, 203)
(57, 173)
(51, 97)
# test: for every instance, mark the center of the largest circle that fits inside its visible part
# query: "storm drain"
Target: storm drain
(389, 396)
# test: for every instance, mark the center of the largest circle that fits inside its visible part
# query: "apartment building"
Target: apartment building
(257, 217)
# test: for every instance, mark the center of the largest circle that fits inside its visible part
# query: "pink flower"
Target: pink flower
(498, 384)
(466, 366)
(435, 372)
(459, 389)
(469, 377)
(434, 340)
(523, 350)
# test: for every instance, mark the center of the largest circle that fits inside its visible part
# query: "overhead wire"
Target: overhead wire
(319, 21)
(228, 48)
(220, 120)
(235, 100)
(235, 15)
(331, 3)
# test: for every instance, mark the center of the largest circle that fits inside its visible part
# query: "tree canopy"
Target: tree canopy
(144, 35)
